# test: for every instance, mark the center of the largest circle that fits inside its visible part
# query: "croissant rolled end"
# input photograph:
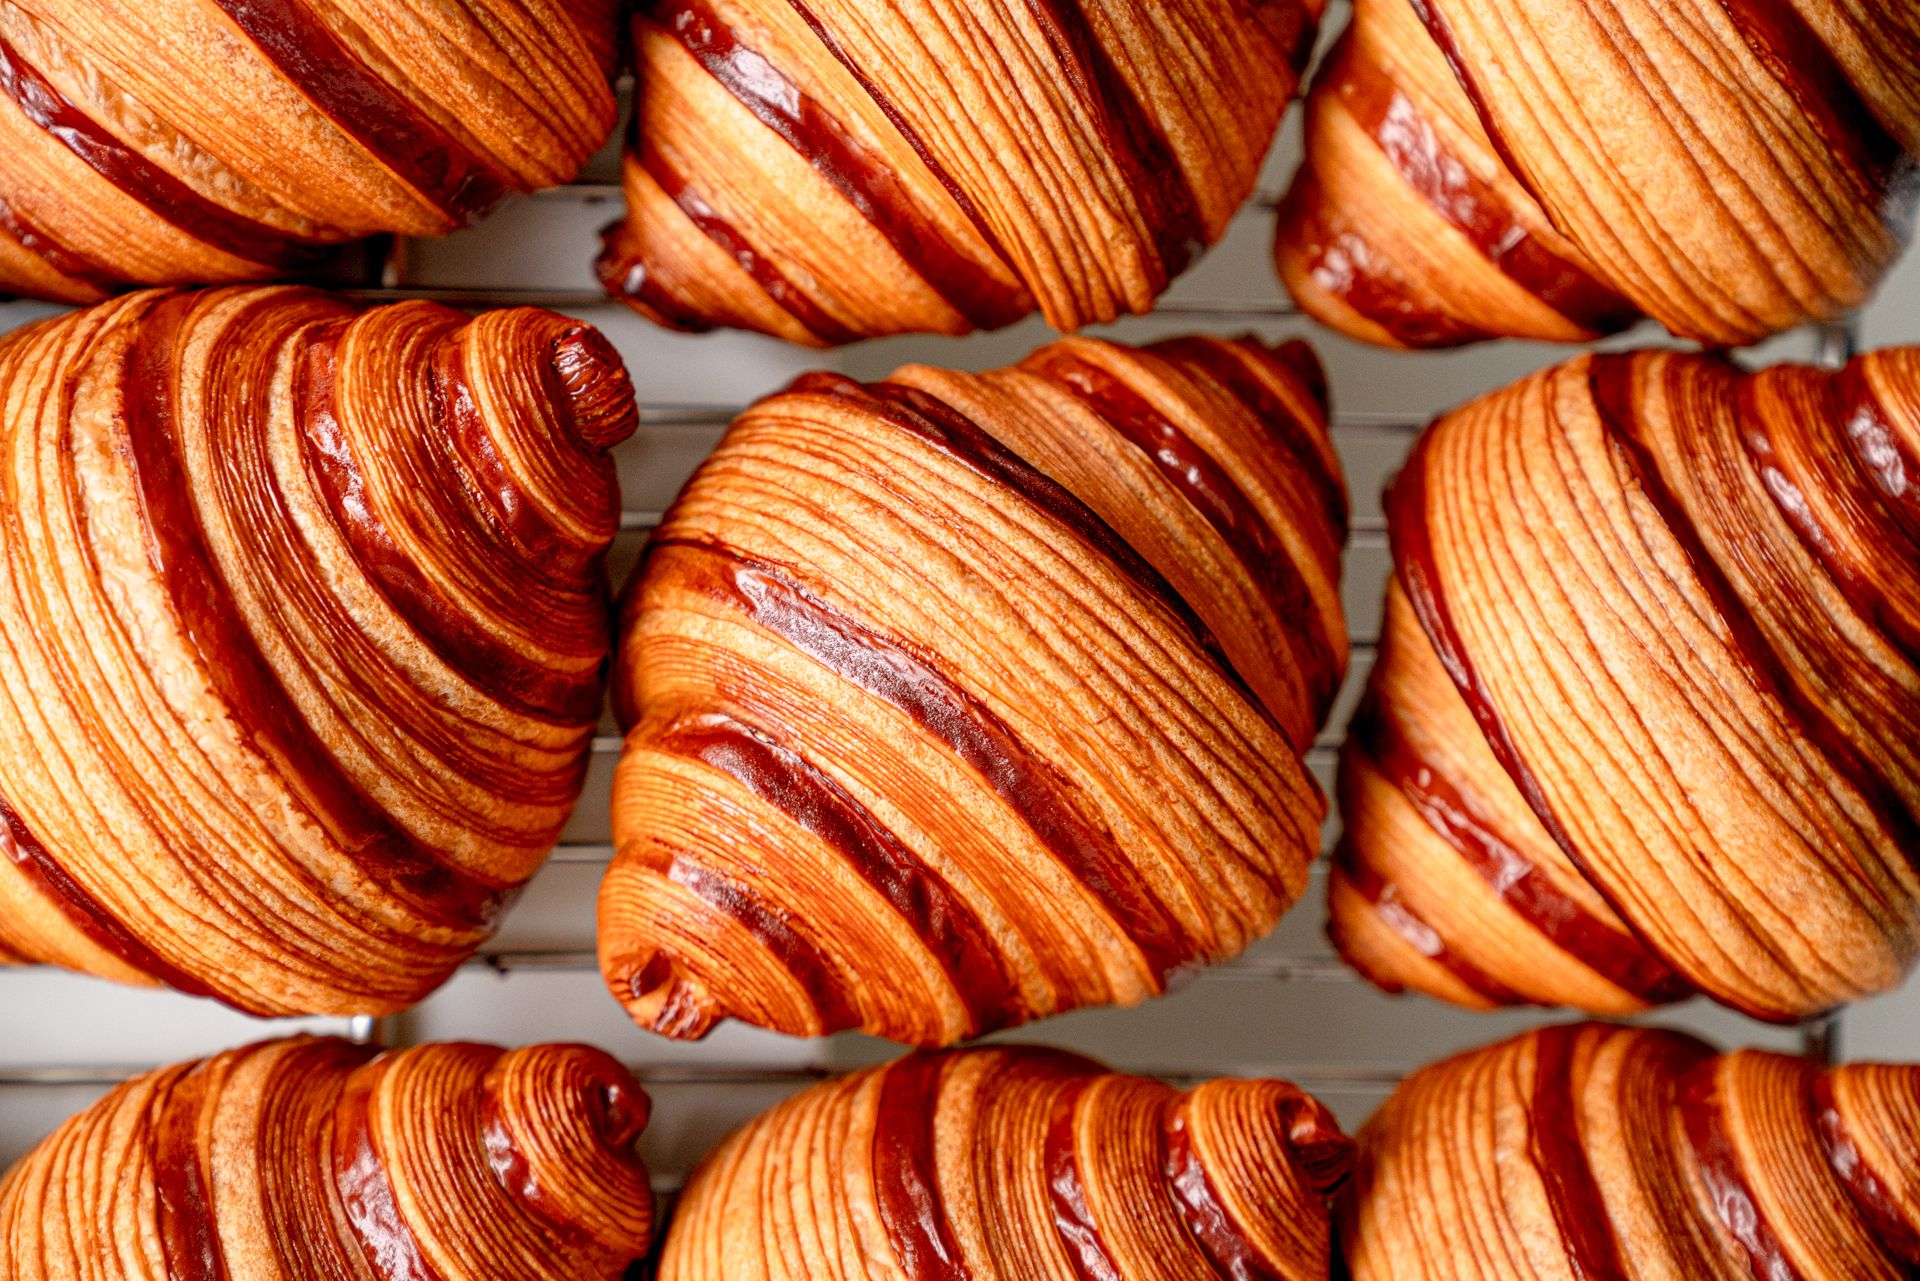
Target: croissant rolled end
(595, 384)
(1320, 1148)
(661, 1000)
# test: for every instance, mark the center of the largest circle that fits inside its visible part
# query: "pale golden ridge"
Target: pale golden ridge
(1634, 1154)
(960, 700)
(1555, 169)
(1024, 1163)
(1641, 721)
(837, 169)
(318, 1160)
(302, 634)
(223, 140)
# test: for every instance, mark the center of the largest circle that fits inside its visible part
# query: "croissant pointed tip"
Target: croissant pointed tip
(1324, 1152)
(598, 390)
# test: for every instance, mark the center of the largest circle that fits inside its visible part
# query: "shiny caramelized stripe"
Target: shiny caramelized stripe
(947, 429)
(1148, 163)
(234, 664)
(1411, 542)
(862, 177)
(1702, 1116)
(1067, 1190)
(102, 928)
(1793, 53)
(1520, 884)
(1883, 478)
(900, 124)
(1899, 1238)
(366, 1191)
(1560, 1158)
(1033, 788)
(67, 261)
(183, 1195)
(1207, 1219)
(133, 174)
(367, 108)
(1611, 385)
(1413, 146)
(826, 988)
(788, 782)
(1383, 896)
(773, 282)
(1208, 487)
(503, 673)
(1442, 32)
(906, 1171)
(1227, 364)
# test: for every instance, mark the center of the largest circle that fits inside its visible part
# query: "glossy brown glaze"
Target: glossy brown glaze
(893, 168)
(835, 647)
(349, 601)
(312, 1160)
(1554, 171)
(237, 139)
(1675, 601)
(1713, 1166)
(1017, 1163)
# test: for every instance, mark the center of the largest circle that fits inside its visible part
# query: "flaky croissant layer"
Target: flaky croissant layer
(1642, 717)
(319, 1160)
(186, 141)
(1631, 1154)
(302, 633)
(840, 169)
(1554, 169)
(958, 700)
(1016, 1164)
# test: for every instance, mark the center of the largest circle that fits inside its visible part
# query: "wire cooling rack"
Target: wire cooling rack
(1288, 1008)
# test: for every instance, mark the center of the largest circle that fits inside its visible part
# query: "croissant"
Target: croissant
(1020, 1163)
(175, 141)
(1641, 719)
(1634, 1154)
(1551, 170)
(318, 1160)
(958, 700)
(302, 635)
(843, 169)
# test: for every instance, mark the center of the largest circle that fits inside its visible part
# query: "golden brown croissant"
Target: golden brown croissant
(175, 141)
(318, 1160)
(1632, 1154)
(1016, 1163)
(959, 700)
(1642, 715)
(302, 632)
(840, 169)
(1551, 169)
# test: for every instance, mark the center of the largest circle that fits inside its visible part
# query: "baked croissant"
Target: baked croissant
(302, 635)
(843, 169)
(1016, 1163)
(318, 1160)
(1632, 1154)
(1552, 170)
(175, 141)
(1641, 720)
(958, 700)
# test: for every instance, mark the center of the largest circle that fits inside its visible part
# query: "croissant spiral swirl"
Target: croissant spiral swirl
(1553, 169)
(830, 170)
(177, 141)
(303, 626)
(318, 1160)
(1016, 1163)
(1642, 717)
(958, 700)
(1632, 1154)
